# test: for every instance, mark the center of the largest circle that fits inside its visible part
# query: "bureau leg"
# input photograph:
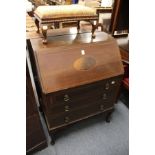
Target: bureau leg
(108, 117)
(53, 137)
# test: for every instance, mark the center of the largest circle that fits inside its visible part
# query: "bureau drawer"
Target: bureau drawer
(86, 91)
(78, 114)
(66, 108)
(56, 109)
(106, 96)
(77, 93)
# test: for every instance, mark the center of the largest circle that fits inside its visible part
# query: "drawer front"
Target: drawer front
(77, 93)
(71, 105)
(103, 96)
(66, 101)
(78, 114)
(85, 91)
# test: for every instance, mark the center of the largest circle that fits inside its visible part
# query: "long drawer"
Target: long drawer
(77, 114)
(105, 97)
(69, 100)
(85, 90)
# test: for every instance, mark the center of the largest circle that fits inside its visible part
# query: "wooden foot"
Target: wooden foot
(53, 139)
(93, 31)
(44, 32)
(44, 41)
(108, 117)
(93, 36)
(52, 142)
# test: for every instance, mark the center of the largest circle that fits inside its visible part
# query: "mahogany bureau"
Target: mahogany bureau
(78, 77)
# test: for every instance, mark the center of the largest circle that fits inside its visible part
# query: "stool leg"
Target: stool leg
(44, 32)
(78, 26)
(37, 25)
(93, 30)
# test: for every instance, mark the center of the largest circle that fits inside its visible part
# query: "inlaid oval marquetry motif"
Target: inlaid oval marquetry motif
(84, 63)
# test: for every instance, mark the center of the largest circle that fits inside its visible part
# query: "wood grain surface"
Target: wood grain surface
(55, 61)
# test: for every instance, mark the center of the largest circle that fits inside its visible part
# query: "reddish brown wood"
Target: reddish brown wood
(56, 66)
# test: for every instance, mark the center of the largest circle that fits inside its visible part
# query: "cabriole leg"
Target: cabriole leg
(37, 25)
(78, 26)
(53, 139)
(44, 32)
(93, 30)
(108, 117)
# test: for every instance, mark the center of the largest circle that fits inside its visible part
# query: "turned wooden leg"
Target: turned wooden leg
(44, 32)
(78, 26)
(37, 25)
(93, 30)
(108, 117)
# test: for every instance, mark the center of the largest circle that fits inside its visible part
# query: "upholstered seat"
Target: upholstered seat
(64, 11)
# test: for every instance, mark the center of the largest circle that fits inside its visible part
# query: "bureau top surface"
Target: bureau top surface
(71, 60)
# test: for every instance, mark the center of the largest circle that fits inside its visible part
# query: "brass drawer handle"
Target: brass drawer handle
(66, 98)
(66, 119)
(66, 108)
(101, 107)
(104, 96)
(113, 82)
(107, 86)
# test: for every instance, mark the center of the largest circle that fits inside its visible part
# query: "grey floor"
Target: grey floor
(94, 136)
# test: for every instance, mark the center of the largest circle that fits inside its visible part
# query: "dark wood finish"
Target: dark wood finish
(120, 16)
(35, 138)
(69, 95)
